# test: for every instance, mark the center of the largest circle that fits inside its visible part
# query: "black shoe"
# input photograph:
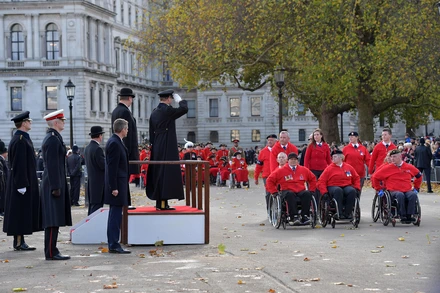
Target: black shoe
(59, 256)
(24, 247)
(238, 186)
(349, 217)
(119, 250)
(430, 191)
(305, 220)
(167, 208)
(245, 183)
(76, 204)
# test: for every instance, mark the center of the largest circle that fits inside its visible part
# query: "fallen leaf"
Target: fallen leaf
(252, 252)
(29, 267)
(380, 246)
(271, 291)
(158, 243)
(262, 224)
(5, 261)
(19, 289)
(339, 283)
(240, 282)
(333, 242)
(238, 217)
(349, 285)
(244, 249)
(221, 248)
(342, 235)
(104, 250)
(334, 246)
(401, 239)
(390, 265)
(142, 255)
(376, 251)
(112, 286)
(306, 259)
(405, 256)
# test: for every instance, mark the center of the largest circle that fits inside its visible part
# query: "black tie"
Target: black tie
(355, 146)
(386, 145)
(293, 168)
(284, 147)
(319, 144)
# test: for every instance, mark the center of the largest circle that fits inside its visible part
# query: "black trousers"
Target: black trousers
(93, 207)
(427, 176)
(50, 241)
(114, 226)
(305, 197)
(18, 242)
(75, 185)
(339, 194)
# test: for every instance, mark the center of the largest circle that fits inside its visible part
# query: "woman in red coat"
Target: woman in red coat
(317, 154)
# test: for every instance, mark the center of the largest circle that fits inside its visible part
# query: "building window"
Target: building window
(17, 42)
(191, 136)
(139, 106)
(166, 71)
(256, 136)
(117, 60)
(146, 107)
(109, 101)
(235, 134)
(191, 109)
(235, 107)
(301, 134)
(124, 61)
(213, 107)
(381, 120)
(114, 5)
(213, 136)
(51, 98)
(256, 106)
(301, 109)
(122, 13)
(129, 15)
(100, 100)
(16, 98)
(92, 98)
(52, 42)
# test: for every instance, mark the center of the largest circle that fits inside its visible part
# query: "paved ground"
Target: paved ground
(257, 258)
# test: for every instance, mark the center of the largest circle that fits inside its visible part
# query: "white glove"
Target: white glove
(22, 190)
(177, 98)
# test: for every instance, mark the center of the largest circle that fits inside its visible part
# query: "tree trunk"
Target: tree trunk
(328, 122)
(365, 108)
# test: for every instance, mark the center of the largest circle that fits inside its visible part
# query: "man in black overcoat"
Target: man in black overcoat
(423, 158)
(22, 205)
(4, 172)
(95, 163)
(122, 110)
(165, 181)
(55, 199)
(116, 183)
(74, 171)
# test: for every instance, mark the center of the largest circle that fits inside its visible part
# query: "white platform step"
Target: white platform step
(92, 229)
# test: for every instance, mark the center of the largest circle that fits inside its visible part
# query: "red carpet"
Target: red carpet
(178, 210)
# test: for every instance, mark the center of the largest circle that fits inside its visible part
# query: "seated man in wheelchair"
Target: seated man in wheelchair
(291, 179)
(396, 178)
(239, 170)
(341, 181)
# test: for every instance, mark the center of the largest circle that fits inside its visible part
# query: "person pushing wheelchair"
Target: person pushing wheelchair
(291, 180)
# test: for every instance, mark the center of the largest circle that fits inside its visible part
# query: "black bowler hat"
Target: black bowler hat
(337, 152)
(126, 92)
(3, 148)
(22, 117)
(166, 93)
(292, 156)
(271, 136)
(353, 133)
(95, 130)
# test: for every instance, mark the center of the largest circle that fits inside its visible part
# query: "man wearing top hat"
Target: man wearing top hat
(122, 110)
(55, 199)
(74, 170)
(165, 181)
(95, 163)
(4, 171)
(22, 205)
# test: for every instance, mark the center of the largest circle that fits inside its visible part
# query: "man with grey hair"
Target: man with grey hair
(282, 145)
(55, 198)
(117, 190)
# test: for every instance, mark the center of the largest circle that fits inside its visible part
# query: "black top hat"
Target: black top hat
(126, 92)
(337, 152)
(208, 142)
(292, 156)
(237, 153)
(3, 148)
(271, 136)
(353, 133)
(95, 130)
(21, 117)
(166, 93)
(222, 144)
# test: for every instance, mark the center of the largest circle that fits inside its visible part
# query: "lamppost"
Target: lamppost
(279, 81)
(438, 7)
(70, 93)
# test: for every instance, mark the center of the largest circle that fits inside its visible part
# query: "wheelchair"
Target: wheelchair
(233, 183)
(389, 210)
(328, 211)
(279, 213)
(375, 208)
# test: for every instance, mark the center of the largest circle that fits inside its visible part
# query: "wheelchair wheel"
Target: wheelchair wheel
(375, 208)
(313, 213)
(269, 208)
(333, 222)
(276, 212)
(418, 215)
(385, 209)
(231, 181)
(356, 213)
(323, 211)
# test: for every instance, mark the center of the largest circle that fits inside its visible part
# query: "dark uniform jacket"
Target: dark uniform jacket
(56, 209)
(95, 163)
(131, 141)
(116, 172)
(423, 157)
(165, 181)
(4, 171)
(22, 211)
(74, 162)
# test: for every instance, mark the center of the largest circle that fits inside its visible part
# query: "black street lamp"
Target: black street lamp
(279, 81)
(438, 7)
(70, 93)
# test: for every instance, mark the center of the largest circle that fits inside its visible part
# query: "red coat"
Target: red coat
(291, 180)
(317, 157)
(378, 156)
(342, 176)
(239, 168)
(357, 158)
(397, 178)
(277, 148)
(263, 163)
(225, 171)
(221, 153)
